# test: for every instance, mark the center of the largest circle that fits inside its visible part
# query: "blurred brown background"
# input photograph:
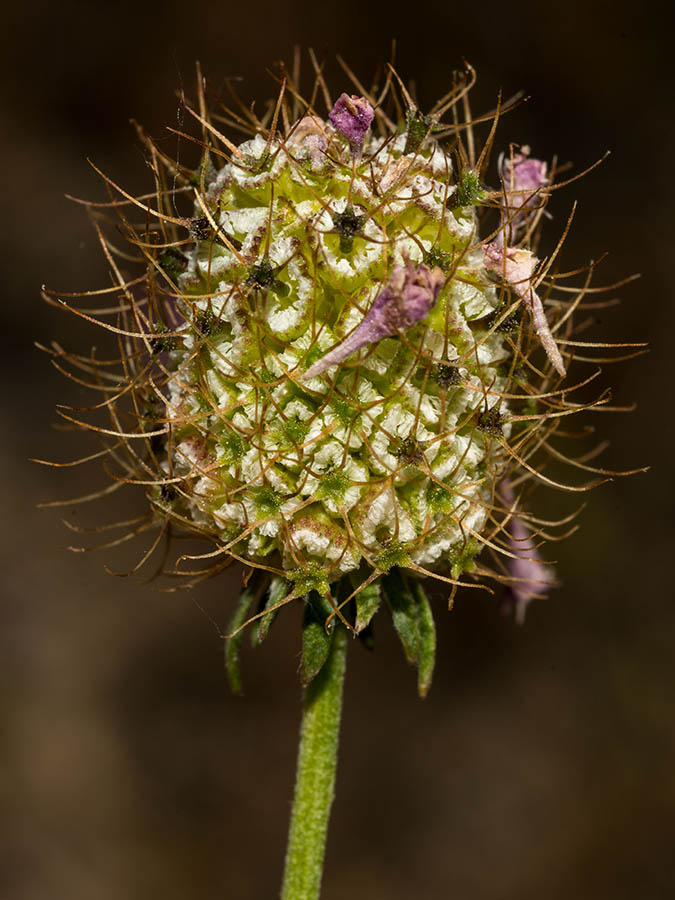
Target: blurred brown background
(542, 762)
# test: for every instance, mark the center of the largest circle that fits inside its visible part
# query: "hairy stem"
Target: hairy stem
(315, 778)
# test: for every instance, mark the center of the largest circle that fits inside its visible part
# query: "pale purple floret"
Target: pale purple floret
(309, 137)
(523, 179)
(404, 300)
(351, 117)
(522, 173)
(531, 577)
(516, 267)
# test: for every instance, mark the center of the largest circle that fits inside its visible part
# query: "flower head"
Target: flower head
(291, 253)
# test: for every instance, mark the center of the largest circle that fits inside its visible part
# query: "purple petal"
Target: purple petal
(405, 300)
(351, 117)
(520, 173)
(531, 577)
(523, 178)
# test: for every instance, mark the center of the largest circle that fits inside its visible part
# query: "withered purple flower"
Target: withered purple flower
(351, 116)
(523, 178)
(405, 300)
(531, 577)
(516, 267)
(523, 173)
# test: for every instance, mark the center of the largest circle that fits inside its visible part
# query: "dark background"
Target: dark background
(542, 762)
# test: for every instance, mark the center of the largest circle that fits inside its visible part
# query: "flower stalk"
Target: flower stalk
(315, 777)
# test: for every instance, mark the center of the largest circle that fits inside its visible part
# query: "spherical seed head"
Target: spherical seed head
(325, 374)
(320, 476)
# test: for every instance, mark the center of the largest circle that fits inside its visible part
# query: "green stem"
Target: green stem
(315, 778)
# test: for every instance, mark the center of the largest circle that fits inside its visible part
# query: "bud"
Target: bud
(351, 117)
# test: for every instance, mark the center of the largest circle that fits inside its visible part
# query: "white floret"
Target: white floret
(385, 510)
(397, 423)
(453, 532)
(314, 542)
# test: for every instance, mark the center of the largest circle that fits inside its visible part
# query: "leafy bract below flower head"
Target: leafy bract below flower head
(332, 358)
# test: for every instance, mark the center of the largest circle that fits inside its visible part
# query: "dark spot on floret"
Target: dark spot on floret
(507, 326)
(162, 344)
(167, 493)
(206, 323)
(447, 376)
(172, 262)
(348, 225)
(262, 274)
(408, 450)
(490, 421)
(438, 257)
(201, 230)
